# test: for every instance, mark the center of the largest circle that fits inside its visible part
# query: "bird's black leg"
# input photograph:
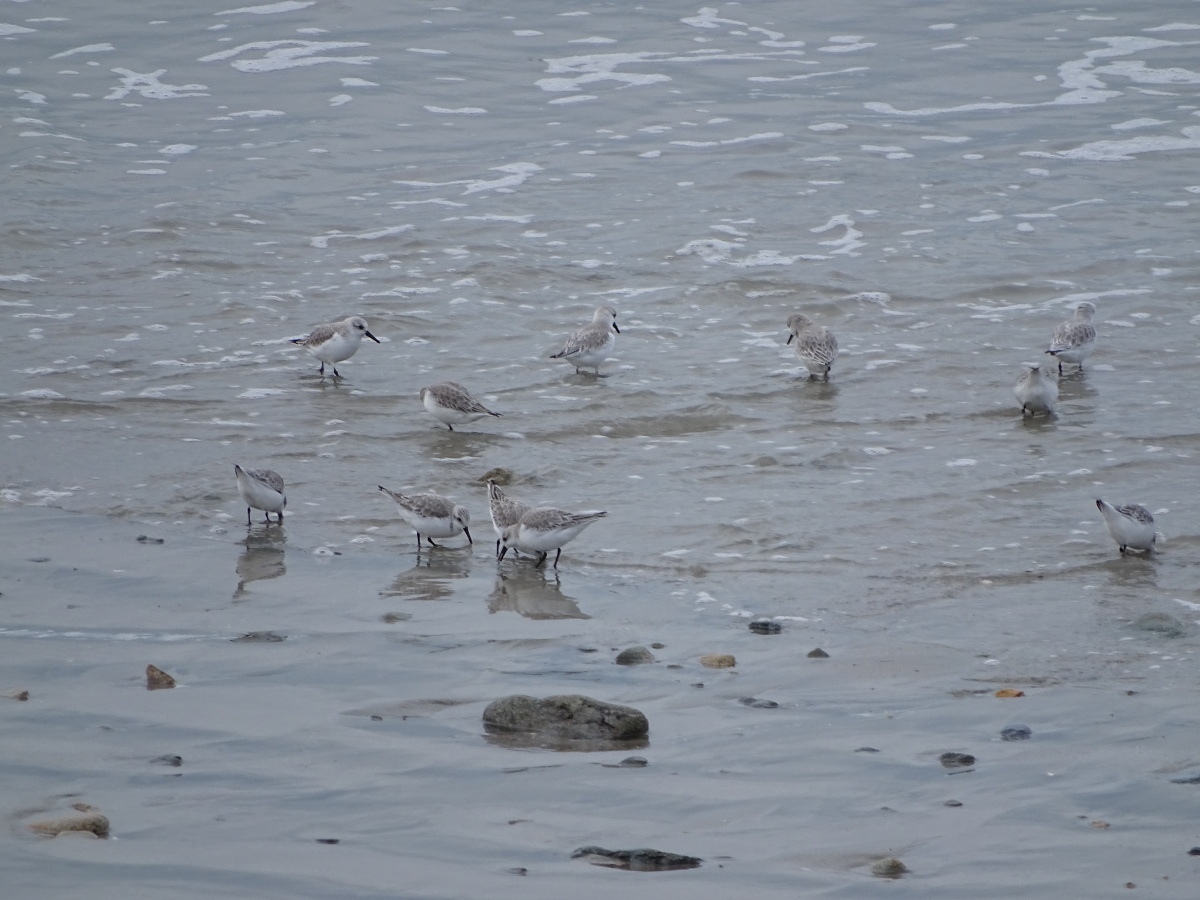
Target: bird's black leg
(556, 556)
(247, 517)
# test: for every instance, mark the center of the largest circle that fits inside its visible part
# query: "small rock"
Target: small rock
(329, 840)
(643, 860)
(168, 760)
(718, 661)
(866, 750)
(1190, 778)
(755, 703)
(956, 760)
(634, 656)
(393, 617)
(1160, 623)
(566, 717)
(1016, 733)
(16, 694)
(259, 637)
(90, 820)
(157, 679)
(500, 475)
(765, 626)
(952, 803)
(1195, 851)
(146, 539)
(519, 870)
(888, 867)
(657, 645)
(818, 653)
(634, 762)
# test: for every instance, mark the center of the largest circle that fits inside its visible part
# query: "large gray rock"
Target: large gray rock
(565, 718)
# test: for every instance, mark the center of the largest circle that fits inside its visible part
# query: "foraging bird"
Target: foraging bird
(1036, 391)
(450, 402)
(1132, 526)
(590, 345)
(505, 511)
(815, 345)
(431, 515)
(335, 341)
(543, 529)
(1075, 338)
(260, 489)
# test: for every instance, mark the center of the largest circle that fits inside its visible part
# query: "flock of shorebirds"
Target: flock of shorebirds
(538, 530)
(519, 527)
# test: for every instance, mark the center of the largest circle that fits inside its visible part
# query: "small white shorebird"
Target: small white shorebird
(335, 341)
(542, 529)
(590, 345)
(1132, 526)
(815, 345)
(1036, 391)
(505, 511)
(1075, 338)
(431, 515)
(451, 403)
(260, 489)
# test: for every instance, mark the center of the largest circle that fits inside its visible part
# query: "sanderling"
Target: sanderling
(335, 341)
(815, 345)
(590, 345)
(431, 515)
(1037, 391)
(1132, 526)
(450, 402)
(543, 528)
(505, 511)
(1075, 338)
(260, 489)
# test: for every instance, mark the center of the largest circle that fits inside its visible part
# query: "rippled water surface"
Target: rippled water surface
(191, 185)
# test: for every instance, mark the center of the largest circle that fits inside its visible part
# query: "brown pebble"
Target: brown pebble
(718, 661)
(888, 867)
(818, 653)
(157, 679)
(94, 822)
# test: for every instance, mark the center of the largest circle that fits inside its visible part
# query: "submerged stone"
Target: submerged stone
(756, 703)
(888, 867)
(1160, 623)
(1016, 733)
(765, 626)
(634, 656)
(642, 860)
(718, 661)
(818, 653)
(956, 760)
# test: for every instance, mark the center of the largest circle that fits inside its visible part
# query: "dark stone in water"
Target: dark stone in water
(818, 654)
(765, 626)
(1195, 851)
(329, 840)
(146, 539)
(634, 656)
(952, 803)
(168, 760)
(1160, 623)
(259, 637)
(566, 717)
(956, 760)
(1190, 778)
(755, 703)
(1016, 733)
(866, 750)
(643, 860)
(634, 762)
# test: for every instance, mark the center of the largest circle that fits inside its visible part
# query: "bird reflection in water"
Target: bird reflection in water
(531, 593)
(433, 577)
(261, 558)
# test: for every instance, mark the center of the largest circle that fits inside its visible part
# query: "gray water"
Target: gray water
(190, 185)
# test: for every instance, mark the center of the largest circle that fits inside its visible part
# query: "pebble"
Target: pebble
(755, 703)
(157, 679)
(1016, 733)
(956, 760)
(1160, 623)
(393, 617)
(1195, 851)
(818, 653)
(168, 760)
(329, 840)
(634, 656)
(765, 626)
(90, 820)
(634, 762)
(889, 867)
(146, 539)
(259, 637)
(500, 475)
(718, 661)
(16, 694)
(642, 860)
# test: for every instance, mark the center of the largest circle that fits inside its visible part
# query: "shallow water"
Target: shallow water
(940, 187)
